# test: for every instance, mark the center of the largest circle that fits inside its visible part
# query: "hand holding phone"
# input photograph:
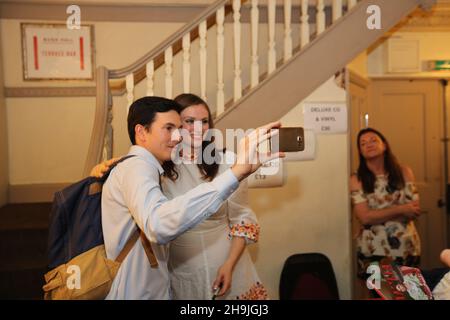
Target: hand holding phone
(216, 292)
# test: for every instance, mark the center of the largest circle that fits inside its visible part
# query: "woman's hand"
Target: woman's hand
(411, 210)
(99, 170)
(223, 279)
(445, 257)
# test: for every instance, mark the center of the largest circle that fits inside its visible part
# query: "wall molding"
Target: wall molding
(32, 193)
(150, 12)
(408, 77)
(101, 12)
(44, 92)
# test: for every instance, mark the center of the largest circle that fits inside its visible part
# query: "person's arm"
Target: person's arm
(242, 219)
(244, 230)
(99, 170)
(368, 216)
(163, 220)
(225, 272)
(410, 180)
(247, 160)
(445, 257)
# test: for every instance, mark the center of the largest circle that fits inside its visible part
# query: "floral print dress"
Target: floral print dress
(196, 255)
(395, 239)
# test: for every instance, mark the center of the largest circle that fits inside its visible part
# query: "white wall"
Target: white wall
(432, 46)
(56, 130)
(48, 138)
(117, 44)
(311, 212)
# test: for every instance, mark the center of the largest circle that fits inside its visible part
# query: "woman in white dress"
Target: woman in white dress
(213, 254)
(211, 257)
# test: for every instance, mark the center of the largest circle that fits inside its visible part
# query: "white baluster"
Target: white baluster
(168, 59)
(287, 30)
(271, 19)
(202, 33)
(237, 50)
(254, 78)
(150, 71)
(304, 33)
(320, 19)
(351, 3)
(337, 9)
(186, 63)
(129, 81)
(220, 18)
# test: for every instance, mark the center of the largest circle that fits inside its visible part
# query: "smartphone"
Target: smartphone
(288, 140)
(216, 292)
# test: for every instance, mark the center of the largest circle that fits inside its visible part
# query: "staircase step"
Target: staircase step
(22, 284)
(23, 247)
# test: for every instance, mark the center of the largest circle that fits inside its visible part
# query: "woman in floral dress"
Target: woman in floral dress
(386, 202)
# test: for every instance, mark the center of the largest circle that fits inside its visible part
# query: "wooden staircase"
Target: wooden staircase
(326, 45)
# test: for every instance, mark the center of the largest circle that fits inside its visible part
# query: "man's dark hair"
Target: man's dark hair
(143, 111)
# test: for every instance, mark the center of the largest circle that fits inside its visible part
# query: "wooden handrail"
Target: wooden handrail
(102, 105)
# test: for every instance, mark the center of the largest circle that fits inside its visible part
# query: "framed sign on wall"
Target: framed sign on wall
(55, 52)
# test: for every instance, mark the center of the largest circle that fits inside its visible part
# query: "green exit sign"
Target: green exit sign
(440, 65)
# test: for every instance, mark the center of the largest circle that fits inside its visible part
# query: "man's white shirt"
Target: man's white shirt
(132, 195)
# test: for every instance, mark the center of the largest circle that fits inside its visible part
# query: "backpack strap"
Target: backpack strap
(145, 243)
(148, 250)
(128, 246)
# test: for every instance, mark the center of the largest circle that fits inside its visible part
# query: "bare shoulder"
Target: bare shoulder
(355, 184)
(407, 173)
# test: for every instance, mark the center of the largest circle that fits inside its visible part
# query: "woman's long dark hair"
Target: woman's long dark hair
(209, 171)
(391, 165)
